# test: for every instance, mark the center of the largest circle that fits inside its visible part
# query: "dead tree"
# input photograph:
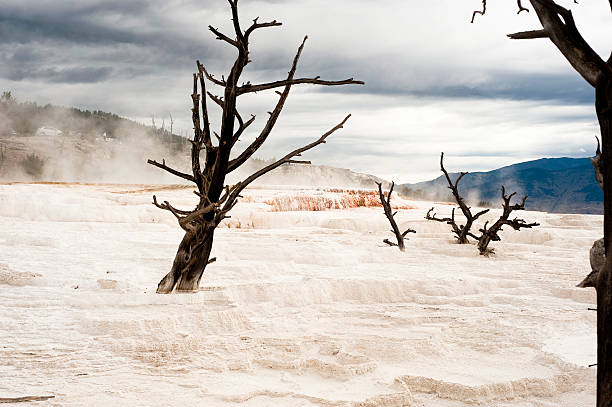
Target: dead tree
(216, 198)
(386, 204)
(492, 233)
(559, 27)
(461, 231)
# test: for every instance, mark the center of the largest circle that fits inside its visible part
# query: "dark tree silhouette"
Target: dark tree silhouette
(216, 198)
(461, 231)
(558, 25)
(386, 204)
(492, 233)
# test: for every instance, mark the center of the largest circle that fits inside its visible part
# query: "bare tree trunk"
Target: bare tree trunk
(462, 237)
(603, 106)
(190, 261)
(190, 279)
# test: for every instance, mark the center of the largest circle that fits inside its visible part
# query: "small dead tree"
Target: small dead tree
(461, 231)
(492, 233)
(216, 198)
(386, 204)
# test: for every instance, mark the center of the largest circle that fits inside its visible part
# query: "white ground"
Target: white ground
(300, 309)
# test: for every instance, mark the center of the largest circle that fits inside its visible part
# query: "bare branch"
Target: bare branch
(221, 36)
(461, 175)
(242, 128)
(22, 399)
(408, 231)
(242, 124)
(559, 24)
(168, 207)
(218, 100)
(206, 129)
(198, 137)
(277, 84)
(520, 7)
(236, 21)
(390, 243)
(265, 132)
(433, 217)
(526, 35)
(179, 214)
(479, 214)
(214, 80)
(321, 140)
(172, 171)
(257, 25)
(481, 12)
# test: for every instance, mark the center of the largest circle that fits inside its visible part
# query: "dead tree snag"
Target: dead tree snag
(212, 158)
(386, 204)
(492, 233)
(461, 231)
(559, 27)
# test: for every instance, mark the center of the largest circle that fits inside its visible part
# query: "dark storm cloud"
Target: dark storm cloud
(67, 75)
(569, 89)
(23, 28)
(424, 78)
(50, 42)
(554, 87)
(94, 41)
(439, 81)
(382, 78)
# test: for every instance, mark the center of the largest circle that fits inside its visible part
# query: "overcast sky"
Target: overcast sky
(434, 82)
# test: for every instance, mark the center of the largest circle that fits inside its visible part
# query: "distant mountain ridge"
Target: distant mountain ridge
(559, 185)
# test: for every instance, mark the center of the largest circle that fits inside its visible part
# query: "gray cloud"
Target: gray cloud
(46, 40)
(427, 85)
(67, 75)
(114, 39)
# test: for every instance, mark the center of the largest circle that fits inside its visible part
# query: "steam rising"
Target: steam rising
(50, 143)
(80, 146)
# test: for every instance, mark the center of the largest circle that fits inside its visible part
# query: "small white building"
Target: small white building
(48, 131)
